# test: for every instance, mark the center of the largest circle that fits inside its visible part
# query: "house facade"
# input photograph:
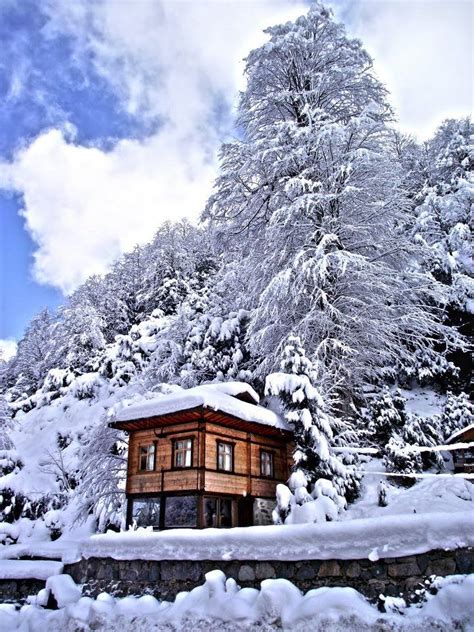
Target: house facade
(205, 457)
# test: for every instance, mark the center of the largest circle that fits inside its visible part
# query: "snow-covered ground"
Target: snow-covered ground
(220, 605)
(351, 539)
(432, 493)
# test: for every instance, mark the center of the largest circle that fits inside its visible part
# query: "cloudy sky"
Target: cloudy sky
(111, 113)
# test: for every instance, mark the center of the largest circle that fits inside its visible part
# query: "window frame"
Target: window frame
(174, 452)
(147, 447)
(218, 500)
(271, 453)
(231, 444)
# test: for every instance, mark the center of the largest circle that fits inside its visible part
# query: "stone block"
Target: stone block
(154, 572)
(306, 572)
(405, 569)
(353, 570)
(329, 568)
(246, 573)
(288, 570)
(264, 570)
(465, 561)
(444, 566)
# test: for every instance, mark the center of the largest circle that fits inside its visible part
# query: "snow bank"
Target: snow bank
(29, 569)
(386, 536)
(212, 396)
(220, 604)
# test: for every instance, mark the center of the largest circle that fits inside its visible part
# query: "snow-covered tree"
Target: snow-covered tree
(34, 357)
(79, 338)
(305, 411)
(443, 225)
(457, 413)
(316, 189)
(102, 478)
(387, 415)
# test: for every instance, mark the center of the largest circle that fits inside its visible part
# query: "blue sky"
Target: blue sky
(111, 114)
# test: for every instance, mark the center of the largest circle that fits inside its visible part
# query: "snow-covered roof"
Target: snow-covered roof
(222, 397)
(458, 433)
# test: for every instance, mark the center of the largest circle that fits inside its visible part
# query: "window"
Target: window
(183, 453)
(217, 512)
(225, 456)
(146, 460)
(266, 463)
(180, 511)
(146, 512)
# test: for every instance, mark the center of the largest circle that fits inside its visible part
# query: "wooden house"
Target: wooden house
(463, 457)
(208, 456)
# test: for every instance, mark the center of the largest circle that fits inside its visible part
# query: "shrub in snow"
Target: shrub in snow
(54, 523)
(306, 412)
(382, 493)
(296, 505)
(457, 413)
(387, 415)
(86, 386)
(401, 458)
(425, 431)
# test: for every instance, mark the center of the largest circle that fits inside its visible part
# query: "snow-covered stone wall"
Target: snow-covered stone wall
(165, 579)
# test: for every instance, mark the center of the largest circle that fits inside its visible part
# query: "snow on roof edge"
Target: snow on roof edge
(460, 432)
(207, 397)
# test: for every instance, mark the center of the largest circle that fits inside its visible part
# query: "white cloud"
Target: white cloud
(7, 349)
(169, 62)
(84, 206)
(422, 51)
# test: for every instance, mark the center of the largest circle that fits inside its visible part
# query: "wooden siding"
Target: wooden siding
(204, 476)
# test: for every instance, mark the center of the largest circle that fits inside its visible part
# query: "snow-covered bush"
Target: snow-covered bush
(386, 416)
(457, 413)
(400, 458)
(382, 494)
(54, 523)
(296, 505)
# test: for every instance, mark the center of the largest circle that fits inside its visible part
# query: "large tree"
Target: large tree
(316, 189)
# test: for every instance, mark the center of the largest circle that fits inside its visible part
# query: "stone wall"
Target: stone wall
(17, 590)
(164, 579)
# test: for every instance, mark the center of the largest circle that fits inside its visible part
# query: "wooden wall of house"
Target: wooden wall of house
(204, 476)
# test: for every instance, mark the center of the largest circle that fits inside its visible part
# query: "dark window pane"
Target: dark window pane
(146, 512)
(181, 511)
(210, 512)
(225, 512)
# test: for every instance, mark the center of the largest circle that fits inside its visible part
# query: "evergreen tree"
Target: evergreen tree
(306, 412)
(457, 413)
(34, 357)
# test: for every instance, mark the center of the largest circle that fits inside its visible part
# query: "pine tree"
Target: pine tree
(34, 357)
(387, 415)
(306, 412)
(457, 413)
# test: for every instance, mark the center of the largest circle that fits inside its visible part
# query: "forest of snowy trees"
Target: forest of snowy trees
(333, 263)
